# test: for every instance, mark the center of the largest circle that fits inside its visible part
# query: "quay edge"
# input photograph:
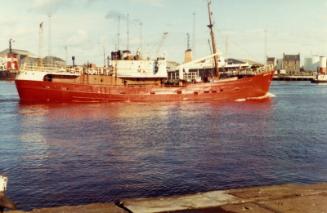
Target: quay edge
(289, 198)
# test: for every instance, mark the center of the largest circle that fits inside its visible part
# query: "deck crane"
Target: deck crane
(162, 40)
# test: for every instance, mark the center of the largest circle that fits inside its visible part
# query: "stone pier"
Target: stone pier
(290, 198)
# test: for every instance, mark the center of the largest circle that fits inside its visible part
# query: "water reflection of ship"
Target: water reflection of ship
(134, 79)
(97, 112)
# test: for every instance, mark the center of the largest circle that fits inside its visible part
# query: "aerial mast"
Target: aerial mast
(194, 33)
(141, 35)
(118, 32)
(188, 41)
(213, 39)
(40, 43)
(161, 42)
(266, 46)
(49, 35)
(66, 53)
(10, 45)
(226, 46)
(50, 62)
(127, 32)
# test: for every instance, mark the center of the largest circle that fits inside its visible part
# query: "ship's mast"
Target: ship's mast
(141, 35)
(193, 34)
(118, 32)
(127, 32)
(213, 39)
(50, 62)
(10, 45)
(266, 46)
(188, 37)
(66, 53)
(40, 44)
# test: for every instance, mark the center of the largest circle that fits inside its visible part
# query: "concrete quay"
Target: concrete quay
(290, 198)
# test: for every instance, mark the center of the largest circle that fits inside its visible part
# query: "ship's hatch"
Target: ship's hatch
(51, 77)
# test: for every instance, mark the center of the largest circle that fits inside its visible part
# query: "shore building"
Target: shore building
(291, 63)
(312, 64)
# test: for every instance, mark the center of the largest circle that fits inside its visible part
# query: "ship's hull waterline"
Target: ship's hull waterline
(62, 92)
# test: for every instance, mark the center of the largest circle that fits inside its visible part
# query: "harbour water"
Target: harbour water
(69, 154)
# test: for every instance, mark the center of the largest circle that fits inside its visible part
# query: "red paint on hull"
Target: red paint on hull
(44, 92)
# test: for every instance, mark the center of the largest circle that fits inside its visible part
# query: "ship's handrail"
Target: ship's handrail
(49, 69)
(252, 71)
(249, 71)
(97, 71)
(41, 68)
(75, 69)
(268, 67)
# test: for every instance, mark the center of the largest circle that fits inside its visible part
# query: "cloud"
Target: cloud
(4, 23)
(50, 7)
(47, 6)
(78, 39)
(116, 15)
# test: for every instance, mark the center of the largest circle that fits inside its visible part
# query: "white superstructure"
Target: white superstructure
(140, 68)
(33, 75)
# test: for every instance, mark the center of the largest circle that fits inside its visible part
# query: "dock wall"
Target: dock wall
(290, 198)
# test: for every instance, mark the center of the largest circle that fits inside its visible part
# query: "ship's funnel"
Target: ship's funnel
(188, 56)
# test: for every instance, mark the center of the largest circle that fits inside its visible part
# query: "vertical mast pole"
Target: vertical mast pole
(10, 45)
(118, 32)
(104, 56)
(194, 34)
(40, 43)
(66, 54)
(188, 41)
(266, 46)
(49, 36)
(213, 40)
(40, 39)
(141, 35)
(226, 46)
(50, 41)
(127, 32)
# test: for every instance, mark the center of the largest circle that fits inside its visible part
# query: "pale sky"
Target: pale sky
(89, 27)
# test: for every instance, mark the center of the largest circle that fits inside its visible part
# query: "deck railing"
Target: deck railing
(26, 67)
(76, 69)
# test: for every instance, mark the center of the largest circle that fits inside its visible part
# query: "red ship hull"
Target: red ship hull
(57, 92)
